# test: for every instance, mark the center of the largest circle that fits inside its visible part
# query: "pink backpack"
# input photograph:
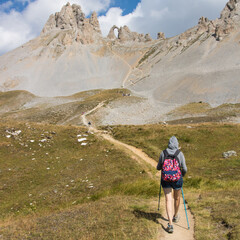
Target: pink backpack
(171, 171)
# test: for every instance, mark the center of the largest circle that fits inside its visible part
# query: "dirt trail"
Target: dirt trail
(181, 228)
(131, 67)
(84, 119)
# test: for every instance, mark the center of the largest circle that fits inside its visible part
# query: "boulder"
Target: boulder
(229, 154)
(148, 37)
(161, 36)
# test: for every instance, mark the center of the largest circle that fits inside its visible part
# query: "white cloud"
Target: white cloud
(13, 31)
(171, 17)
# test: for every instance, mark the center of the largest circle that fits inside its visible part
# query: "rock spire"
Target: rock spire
(71, 17)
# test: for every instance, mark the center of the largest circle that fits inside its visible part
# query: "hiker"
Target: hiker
(172, 178)
(89, 124)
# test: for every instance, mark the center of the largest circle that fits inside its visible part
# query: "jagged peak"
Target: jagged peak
(71, 17)
(231, 9)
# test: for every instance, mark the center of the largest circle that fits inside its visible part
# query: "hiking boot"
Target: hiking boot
(169, 228)
(176, 219)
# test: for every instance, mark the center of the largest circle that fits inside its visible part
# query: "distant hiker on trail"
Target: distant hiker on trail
(89, 124)
(173, 166)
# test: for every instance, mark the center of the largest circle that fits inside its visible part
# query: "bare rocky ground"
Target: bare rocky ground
(119, 106)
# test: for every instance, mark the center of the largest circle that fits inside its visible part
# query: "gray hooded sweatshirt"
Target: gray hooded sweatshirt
(172, 148)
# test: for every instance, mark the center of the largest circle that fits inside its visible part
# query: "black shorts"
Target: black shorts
(174, 185)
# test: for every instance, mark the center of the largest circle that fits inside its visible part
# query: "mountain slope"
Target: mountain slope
(201, 64)
(70, 55)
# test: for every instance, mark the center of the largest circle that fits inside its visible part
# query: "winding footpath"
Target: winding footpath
(181, 231)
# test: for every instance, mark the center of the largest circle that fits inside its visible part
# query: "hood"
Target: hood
(173, 143)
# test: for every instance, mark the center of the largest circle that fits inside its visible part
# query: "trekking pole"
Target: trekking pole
(159, 193)
(185, 209)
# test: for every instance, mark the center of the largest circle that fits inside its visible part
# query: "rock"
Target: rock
(81, 139)
(80, 29)
(66, 19)
(203, 25)
(222, 30)
(231, 8)
(79, 15)
(111, 34)
(51, 24)
(229, 154)
(67, 40)
(13, 132)
(161, 36)
(203, 21)
(148, 37)
(124, 35)
(94, 22)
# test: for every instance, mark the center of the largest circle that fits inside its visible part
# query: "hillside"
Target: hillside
(212, 183)
(54, 186)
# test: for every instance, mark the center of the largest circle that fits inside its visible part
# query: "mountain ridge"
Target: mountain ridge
(70, 55)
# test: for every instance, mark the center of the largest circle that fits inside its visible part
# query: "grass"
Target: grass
(191, 42)
(109, 218)
(67, 113)
(192, 108)
(212, 183)
(13, 100)
(202, 112)
(147, 55)
(53, 187)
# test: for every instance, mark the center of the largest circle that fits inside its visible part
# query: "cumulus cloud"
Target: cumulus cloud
(150, 16)
(16, 28)
(171, 17)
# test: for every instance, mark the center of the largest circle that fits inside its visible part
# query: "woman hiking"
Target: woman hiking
(173, 166)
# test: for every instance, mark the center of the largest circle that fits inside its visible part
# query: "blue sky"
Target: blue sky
(126, 5)
(19, 5)
(23, 20)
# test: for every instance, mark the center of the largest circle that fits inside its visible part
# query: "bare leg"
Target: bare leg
(168, 197)
(176, 194)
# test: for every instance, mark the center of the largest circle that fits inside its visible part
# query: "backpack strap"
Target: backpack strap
(165, 152)
(176, 153)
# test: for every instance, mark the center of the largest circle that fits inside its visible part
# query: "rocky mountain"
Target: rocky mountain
(77, 27)
(201, 64)
(71, 55)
